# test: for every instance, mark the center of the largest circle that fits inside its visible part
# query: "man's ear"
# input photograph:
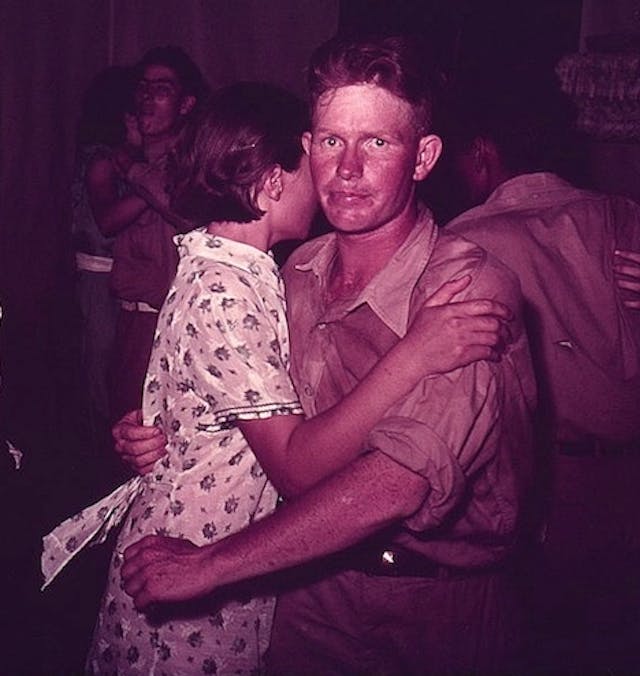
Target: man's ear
(479, 149)
(187, 104)
(429, 150)
(306, 142)
(273, 183)
(485, 153)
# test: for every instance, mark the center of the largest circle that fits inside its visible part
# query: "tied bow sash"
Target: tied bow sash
(90, 526)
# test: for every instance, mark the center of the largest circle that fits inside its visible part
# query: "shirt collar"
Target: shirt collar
(512, 190)
(200, 243)
(389, 293)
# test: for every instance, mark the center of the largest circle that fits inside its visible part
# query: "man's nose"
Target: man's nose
(350, 164)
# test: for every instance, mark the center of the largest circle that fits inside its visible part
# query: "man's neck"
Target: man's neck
(360, 257)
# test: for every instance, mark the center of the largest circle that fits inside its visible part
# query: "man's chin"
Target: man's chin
(346, 220)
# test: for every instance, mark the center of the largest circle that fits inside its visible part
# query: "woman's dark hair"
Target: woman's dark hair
(243, 131)
(106, 100)
(396, 64)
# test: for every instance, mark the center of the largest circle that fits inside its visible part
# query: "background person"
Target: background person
(169, 87)
(108, 144)
(585, 336)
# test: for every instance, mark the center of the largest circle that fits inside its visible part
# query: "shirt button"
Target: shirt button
(322, 325)
(308, 390)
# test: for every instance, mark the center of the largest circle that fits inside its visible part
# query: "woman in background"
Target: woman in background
(108, 144)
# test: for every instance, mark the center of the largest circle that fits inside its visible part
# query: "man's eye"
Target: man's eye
(330, 141)
(379, 142)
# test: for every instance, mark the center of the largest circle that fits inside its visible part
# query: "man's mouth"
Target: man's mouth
(347, 197)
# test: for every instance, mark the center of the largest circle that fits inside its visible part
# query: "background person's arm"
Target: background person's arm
(112, 212)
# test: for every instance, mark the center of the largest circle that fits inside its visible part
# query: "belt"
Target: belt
(400, 562)
(594, 447)
(137, 306)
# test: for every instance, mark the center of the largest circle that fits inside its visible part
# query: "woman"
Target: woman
(218, 387)
(108, 144)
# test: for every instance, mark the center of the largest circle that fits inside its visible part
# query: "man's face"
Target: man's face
(160, 102)
(366, 155)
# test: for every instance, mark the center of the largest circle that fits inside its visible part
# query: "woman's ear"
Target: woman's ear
(272, 185)
(429, 150)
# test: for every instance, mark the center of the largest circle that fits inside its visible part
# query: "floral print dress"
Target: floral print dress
(220, 355)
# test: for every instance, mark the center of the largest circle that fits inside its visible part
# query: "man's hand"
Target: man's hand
(138, 446)
(163, 569)
(626, 266)
(447, 335)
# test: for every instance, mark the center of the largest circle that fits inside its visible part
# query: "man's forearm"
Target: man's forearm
(370, 494)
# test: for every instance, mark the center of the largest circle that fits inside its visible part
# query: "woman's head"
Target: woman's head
(244, 131)
(106, 102)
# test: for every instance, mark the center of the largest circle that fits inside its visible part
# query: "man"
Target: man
(585, 338)
(168, 89)
(426, 518)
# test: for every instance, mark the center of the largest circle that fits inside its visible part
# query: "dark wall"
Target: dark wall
(473, 33)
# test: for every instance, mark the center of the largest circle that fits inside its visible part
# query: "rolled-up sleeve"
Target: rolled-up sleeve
(440, 432)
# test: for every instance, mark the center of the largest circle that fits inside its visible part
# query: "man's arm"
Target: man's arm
(370, 494)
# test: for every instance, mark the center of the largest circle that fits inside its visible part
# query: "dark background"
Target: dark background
(50, 50)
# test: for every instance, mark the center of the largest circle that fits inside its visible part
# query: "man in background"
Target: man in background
(504, 143)
(168, 88)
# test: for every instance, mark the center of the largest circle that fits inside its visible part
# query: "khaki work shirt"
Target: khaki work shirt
(560, 240)
(467, 432)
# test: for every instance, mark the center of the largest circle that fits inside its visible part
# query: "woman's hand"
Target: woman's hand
(139, 446)
(446, 335)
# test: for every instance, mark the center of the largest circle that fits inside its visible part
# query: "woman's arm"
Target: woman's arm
(297, 453)
(112, 212)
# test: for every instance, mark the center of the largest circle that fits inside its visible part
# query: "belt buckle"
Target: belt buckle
(388, 562)
(401, 563)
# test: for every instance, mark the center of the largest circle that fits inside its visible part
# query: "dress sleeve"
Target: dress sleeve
(231, 353)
